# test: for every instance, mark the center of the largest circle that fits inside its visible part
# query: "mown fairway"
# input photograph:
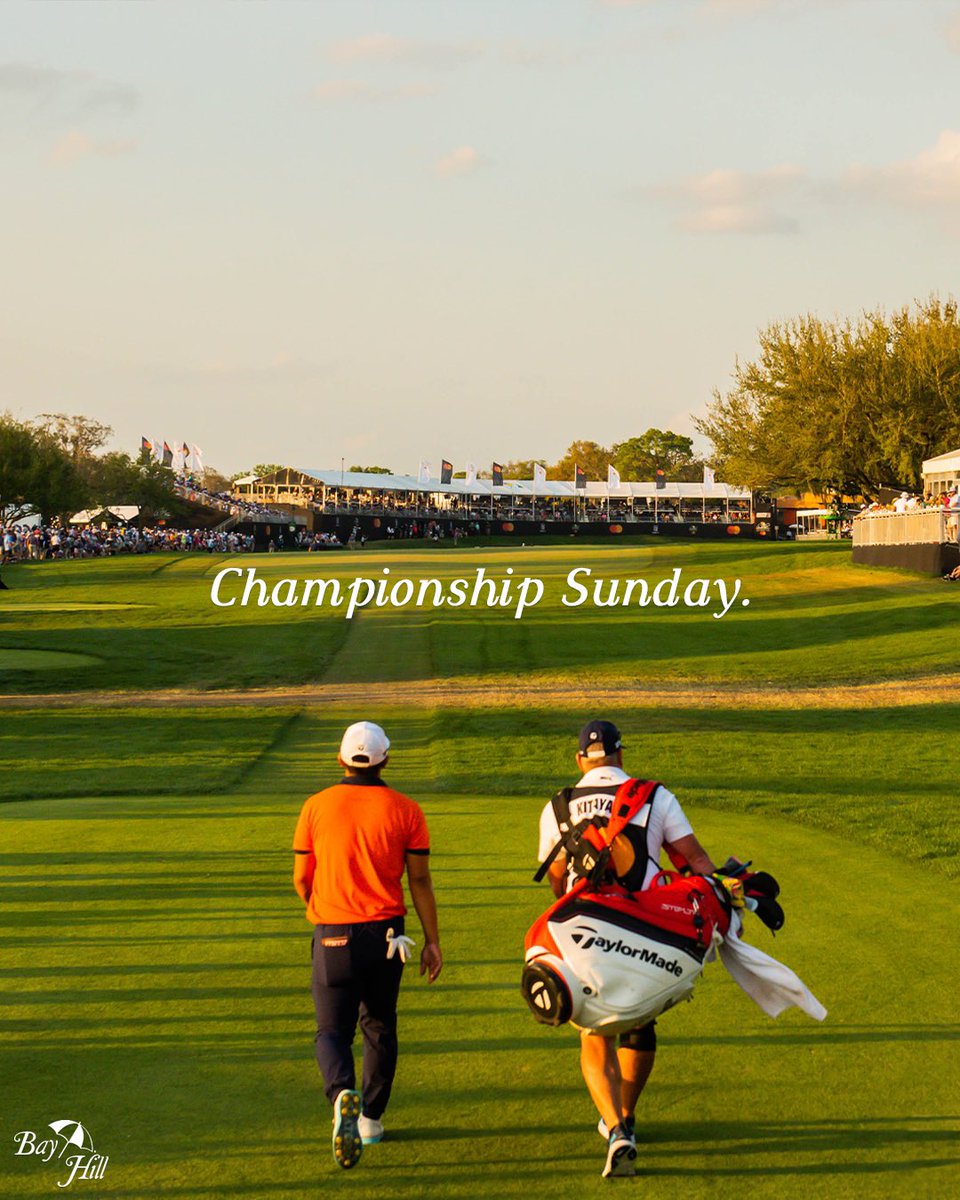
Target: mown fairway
(148, 622)
(156, 960)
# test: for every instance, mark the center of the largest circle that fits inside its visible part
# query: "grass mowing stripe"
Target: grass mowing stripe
(814, 619)
(85, 752)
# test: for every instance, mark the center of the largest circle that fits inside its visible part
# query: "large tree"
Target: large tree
(589, 456)
(117, 479)
(521, 468)
(657, 449)
(78, 436)
(842, 408)
(36, 473)
(17, 449)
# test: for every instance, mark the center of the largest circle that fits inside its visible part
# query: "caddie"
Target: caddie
(614, 1076)
(352, 845)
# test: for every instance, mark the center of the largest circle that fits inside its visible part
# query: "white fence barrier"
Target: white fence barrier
(925, 526)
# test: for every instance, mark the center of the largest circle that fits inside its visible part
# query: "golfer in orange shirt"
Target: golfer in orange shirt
(352, 844)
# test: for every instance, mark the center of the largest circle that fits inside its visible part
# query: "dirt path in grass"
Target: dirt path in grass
(520, 693)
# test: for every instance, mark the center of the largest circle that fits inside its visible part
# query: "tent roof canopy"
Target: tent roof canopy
(519, 488)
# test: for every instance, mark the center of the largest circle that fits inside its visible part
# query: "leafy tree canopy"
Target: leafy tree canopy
(657, 449)
(842, 408)
(522, 468)
(593, 458)
(36, 472)
(77, 435)
(371, 470)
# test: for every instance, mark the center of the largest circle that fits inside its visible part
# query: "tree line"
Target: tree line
(842, 407)
(51, 466)
(636, 458)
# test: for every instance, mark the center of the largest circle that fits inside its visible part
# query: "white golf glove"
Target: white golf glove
(399, 945)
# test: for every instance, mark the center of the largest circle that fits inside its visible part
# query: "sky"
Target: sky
(393, 230)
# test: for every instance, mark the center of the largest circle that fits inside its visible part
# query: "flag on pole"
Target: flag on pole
(423, 473)
(660, 477)
(539, 475)
(708, 478)
(167, 455)
(146, 445)
(613, 479)
(196, 456)
(446, 471)
(497, 475)
(176, 461)
(157, 449)
(579, 477)
(471, 474)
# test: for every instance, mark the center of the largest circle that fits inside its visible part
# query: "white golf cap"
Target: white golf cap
(364, 745)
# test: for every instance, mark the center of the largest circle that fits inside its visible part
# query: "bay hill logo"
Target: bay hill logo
(585, 938)
(71, 1145)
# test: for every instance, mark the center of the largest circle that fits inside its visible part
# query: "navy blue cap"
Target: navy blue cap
(599, 739)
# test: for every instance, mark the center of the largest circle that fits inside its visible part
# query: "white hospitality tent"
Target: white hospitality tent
(941, 473)
(331, 489)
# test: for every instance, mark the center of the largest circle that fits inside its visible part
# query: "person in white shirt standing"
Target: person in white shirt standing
(614, 1076)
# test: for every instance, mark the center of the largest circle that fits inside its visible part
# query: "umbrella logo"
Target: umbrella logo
(73, 1134)
(72, 1145)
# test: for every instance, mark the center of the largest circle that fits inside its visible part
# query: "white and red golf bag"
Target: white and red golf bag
(608, 960)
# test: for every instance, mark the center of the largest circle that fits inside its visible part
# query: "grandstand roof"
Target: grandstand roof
(559, 488)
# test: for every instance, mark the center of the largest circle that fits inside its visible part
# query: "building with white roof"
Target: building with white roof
(942, 473)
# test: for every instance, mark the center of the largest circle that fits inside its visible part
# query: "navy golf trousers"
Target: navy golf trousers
(354, 980)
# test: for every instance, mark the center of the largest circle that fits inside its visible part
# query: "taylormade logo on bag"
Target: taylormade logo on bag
(641, 953)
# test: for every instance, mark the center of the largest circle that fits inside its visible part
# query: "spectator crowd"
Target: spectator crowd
(189, 487)
(73, 541)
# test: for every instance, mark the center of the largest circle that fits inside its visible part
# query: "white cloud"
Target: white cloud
(461, 161)
(335, 91)
(930, 180)
(76, 145)
(530, 53)
(728, 201)
(951, 31)
(383, 48)
(737, 218)
(722, 7)
(734, 7)
(80, 91)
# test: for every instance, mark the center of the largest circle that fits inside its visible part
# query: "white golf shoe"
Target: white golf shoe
(621, 1156)
(371, 1131)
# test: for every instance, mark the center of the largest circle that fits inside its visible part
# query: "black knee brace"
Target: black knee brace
(644, 1038)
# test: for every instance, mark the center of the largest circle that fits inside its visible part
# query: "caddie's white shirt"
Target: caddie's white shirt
(663, 817)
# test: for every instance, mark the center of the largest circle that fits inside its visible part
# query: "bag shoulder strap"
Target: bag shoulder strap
(561, 810)
(631, 796)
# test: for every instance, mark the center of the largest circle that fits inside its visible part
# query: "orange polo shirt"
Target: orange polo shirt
(359, 834)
